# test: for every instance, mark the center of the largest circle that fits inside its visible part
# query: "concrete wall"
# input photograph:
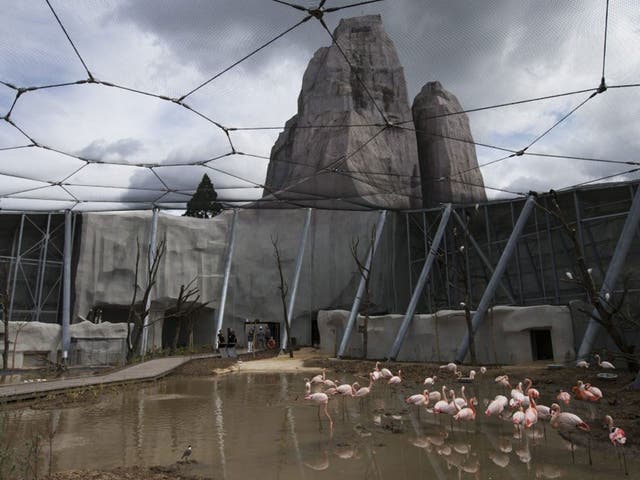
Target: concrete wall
(196, 248)
(503, 338)
(38, 343)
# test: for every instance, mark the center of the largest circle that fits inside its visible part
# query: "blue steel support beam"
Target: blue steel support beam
(615, 267)
(66, 286)
(487, 296)
(296, 278)
(356, 302)
(422, 280)
(225, 281)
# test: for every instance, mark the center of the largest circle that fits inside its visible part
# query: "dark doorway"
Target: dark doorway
(541, 346)
(315, 331)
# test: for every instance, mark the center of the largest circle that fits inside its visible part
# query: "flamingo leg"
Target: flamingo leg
(624, 462)
(573, 455)
(589, 450)
(326, 412)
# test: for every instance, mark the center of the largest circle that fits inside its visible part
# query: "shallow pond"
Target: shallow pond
(259, 426)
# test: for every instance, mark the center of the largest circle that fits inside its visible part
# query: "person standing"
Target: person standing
(261, 338)
(222, 345)
(231, 343)
(250, 337)
(267, 333)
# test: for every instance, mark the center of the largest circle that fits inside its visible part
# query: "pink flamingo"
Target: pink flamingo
(347, 390)
(396, 379)
(430, 380)
(616, 434)
(449, 367)
(364, 391)
(418, 398)
(321, 399)
(377, 375)
(319, 378)
(386, 373)
(565, 421)
(564, 397)
(531, 415)
(497, 405)
(460, 402)
(518, 417)
(580, 393)
(467, 413)
(442, 406)
(590, 388)
(617, 437)
(530, 391)
(503, 380)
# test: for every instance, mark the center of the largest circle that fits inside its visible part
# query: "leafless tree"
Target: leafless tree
(187, 305)
(4, 303)
(284, 290)
(607, 310)
(365, 273)
(139, 311)
(461, 246)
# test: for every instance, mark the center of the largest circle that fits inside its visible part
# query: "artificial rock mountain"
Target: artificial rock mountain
(448, 163)
(352, 143)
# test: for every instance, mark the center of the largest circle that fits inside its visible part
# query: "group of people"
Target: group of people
(259, 340)
(228, 346)
(256, 340)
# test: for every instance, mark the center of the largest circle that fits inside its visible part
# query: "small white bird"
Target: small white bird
(430, 380)
(186, 454)
(569, 275)
(605, 365)
(582, 364)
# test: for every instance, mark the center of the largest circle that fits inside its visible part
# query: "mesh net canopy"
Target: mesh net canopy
(124, 105)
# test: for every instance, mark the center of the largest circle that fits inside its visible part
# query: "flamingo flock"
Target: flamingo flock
(517, 402)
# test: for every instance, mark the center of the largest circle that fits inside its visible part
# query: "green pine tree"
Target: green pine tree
(203, 203)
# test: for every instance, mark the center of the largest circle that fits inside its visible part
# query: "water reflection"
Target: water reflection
(260, 426)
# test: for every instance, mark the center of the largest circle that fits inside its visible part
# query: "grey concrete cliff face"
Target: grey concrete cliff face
(444, 157)
(380, 172)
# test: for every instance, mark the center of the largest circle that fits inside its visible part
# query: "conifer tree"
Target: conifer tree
(203, 203)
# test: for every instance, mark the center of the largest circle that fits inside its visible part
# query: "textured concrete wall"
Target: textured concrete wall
(196, 248)
(503, 338)
(37, 341)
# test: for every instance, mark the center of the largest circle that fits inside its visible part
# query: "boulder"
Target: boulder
(448, 163)
(340, 150)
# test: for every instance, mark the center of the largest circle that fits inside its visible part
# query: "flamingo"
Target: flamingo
(364, 391)
(467, 413)
(590, 388)
(449, 367)
(544, 412)
(460, 402)
(518, 417)
(396, 379)
(565, 421)
(386, 373)
(442, 406)
(434, 396)
(497, 405)
(580, 393)
(503, 380)
(564, 397)
(347, 390)
(605, 365)
(319, 378)
(377, 374)
(418, 399)
(518, 396)
(530, 391)
(430, 380)
(531, 415)
(329, 383)
(321, 399)
(616, 434)
(582, 364)
(469, 379)
(483, 370)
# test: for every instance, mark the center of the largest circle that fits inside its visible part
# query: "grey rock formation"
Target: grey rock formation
(339, 166)
(442, 156)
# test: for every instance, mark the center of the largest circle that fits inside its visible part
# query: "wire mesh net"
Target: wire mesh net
(124, 105)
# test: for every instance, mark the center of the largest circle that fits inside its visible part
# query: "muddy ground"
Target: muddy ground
(170, 472)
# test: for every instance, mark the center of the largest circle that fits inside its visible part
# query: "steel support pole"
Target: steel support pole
(16, 266)
(42, 268)
(225, 281)
(153, 235)
(482, 256)
(422, 280)
(406, 216)
(615, 267)
(487, 296)
(296, 278)
(356, 302)
(554, 269)
(66, 286)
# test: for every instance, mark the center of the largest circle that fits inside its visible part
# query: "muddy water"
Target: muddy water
(259, 426)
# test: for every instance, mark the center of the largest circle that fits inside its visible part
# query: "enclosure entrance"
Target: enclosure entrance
(541, 345)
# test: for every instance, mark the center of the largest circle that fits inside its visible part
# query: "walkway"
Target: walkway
(142, 372)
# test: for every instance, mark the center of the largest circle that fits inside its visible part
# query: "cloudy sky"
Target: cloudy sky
(487, 52)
